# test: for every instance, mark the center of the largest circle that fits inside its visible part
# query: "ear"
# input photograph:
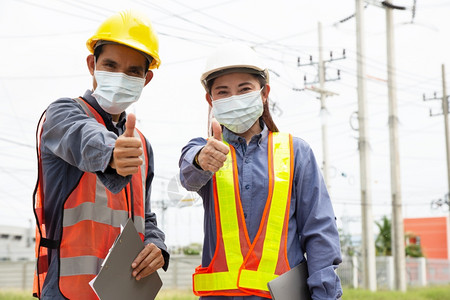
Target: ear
(265, 93)
(148, 77)
(90, 60)
(208, 99)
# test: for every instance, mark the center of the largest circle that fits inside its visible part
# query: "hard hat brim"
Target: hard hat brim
(154, 64)
(213, 74)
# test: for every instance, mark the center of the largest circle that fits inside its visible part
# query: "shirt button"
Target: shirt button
(247, 186)
(247, 160)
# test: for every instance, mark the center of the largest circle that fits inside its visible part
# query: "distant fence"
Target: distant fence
(16, 274)
(419, 272)
(19, 274)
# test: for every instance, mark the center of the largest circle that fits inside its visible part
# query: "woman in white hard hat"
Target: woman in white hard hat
(266, 204)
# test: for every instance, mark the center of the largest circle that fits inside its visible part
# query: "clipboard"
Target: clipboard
(114, 281)
(291, 285)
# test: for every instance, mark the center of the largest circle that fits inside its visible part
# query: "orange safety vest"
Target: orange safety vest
(239, 267)
(92, 217)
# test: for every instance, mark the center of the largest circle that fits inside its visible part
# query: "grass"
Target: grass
(428, 293)
(11, 294)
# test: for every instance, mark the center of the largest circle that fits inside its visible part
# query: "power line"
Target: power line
(58, 10)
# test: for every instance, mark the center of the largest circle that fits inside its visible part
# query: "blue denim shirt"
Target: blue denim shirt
(312, 230)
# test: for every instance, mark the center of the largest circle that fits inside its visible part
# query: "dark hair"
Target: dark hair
(266, 116)
(98, 50)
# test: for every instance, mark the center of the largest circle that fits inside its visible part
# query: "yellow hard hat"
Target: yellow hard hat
(131, 29)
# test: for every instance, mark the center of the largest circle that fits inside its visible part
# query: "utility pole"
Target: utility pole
(323, 111)
(446, 199)
(323, 95)
(447, 142)
(368, 243)
(398, 246)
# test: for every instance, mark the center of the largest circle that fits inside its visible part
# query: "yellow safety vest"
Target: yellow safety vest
(239, 267)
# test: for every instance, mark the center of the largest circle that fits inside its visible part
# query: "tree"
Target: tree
(413, 247)
(383, 242)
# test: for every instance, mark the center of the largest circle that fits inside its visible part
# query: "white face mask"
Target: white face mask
(115, 92)
(239, 112)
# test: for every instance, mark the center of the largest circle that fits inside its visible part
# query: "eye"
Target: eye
(245, 90)
(108, 65)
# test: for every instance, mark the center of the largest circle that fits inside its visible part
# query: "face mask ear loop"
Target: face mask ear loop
(210, 117)
(95, 69)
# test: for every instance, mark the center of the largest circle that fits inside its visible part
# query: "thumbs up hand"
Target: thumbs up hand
(214, 154)
(129, 125)
(216, 130)
(125, 158)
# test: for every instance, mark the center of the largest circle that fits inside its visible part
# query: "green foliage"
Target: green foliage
(383, 242)
(192, 249)
(383, 245)
(413, 250)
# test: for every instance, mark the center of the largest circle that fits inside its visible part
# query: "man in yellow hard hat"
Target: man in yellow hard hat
(95, 168)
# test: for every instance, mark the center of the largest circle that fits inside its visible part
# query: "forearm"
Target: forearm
(74, 137)
(155, 235)
(192, 177)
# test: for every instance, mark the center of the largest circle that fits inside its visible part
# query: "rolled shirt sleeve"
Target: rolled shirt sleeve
(192, 178)
(77, 138)
(317, 226)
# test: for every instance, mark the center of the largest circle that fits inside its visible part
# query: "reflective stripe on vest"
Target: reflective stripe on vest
(248, 272)
(92, 218)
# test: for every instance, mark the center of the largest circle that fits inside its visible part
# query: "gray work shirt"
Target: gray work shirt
(73, 143)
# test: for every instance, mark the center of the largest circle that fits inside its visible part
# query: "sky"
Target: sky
(43, 58)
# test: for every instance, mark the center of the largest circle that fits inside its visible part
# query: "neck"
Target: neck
(115, 118)
(254, 130)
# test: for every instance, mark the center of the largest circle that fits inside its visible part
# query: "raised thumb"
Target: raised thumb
(129, 125)
(216, 129)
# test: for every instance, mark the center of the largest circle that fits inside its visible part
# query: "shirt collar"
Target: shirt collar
(233, 138)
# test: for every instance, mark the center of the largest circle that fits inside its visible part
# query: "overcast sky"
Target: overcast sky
(43, 54)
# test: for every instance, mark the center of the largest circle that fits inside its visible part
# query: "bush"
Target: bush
(192, 249)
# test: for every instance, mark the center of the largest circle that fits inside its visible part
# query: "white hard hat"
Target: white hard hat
(230, 58)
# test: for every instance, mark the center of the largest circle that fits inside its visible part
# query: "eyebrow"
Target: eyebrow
(240, 85)
(137, 68)
(109, 61)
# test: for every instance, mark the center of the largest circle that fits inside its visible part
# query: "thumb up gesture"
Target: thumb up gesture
(214, 154)
(127, 150)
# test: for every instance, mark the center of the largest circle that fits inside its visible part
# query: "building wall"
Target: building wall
(433, 233)
(16, 243)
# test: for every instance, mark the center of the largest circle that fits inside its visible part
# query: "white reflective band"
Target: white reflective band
(80, 265)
